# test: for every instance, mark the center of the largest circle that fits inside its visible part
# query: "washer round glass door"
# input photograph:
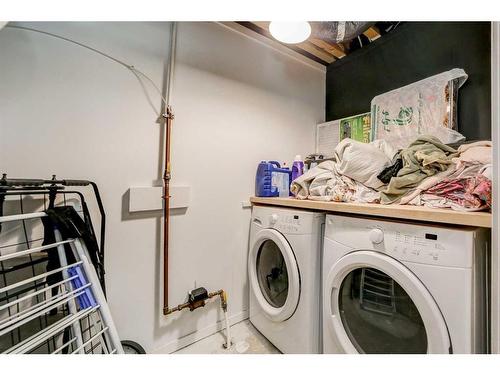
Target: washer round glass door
(274, 275)
(377, 305)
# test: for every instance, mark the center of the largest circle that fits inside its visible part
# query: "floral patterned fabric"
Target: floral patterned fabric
(470, 193)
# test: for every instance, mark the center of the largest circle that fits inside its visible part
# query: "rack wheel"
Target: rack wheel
(131, 347)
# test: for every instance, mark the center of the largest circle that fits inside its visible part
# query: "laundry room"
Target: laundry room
(178, 186)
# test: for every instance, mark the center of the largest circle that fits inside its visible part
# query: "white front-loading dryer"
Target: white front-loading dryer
(392, 287)
(284, 276)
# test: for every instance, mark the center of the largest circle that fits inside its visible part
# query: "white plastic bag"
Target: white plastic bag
(424, 107)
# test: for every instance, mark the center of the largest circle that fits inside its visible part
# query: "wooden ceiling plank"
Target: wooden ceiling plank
(330, 48)
(316, 51)
(372, 33)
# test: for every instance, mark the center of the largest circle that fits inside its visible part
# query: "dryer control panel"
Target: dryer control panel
(419, 243)
(287, 221)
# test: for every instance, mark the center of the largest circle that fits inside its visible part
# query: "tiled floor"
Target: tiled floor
(245, 338)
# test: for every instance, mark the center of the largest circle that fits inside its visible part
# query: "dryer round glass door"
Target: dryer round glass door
(379, 306)
(274, 275)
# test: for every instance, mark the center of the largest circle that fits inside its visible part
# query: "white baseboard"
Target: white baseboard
(198, 335)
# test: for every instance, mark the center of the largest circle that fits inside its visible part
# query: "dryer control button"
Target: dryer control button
(273, 219)
(376, 235)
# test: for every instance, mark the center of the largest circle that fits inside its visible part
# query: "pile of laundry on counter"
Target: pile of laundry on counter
(427, 173)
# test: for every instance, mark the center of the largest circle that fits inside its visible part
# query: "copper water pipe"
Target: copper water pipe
(223, 302)
(169, 117)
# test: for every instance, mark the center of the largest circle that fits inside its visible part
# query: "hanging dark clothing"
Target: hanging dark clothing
(392, 170)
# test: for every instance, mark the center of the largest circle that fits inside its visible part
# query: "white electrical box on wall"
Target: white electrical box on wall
(147, 198)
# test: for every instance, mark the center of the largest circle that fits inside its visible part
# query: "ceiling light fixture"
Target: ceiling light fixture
(290, 32)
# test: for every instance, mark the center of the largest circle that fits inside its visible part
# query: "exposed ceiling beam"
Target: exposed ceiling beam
(317, 51)
(332, 49)
(372, 33)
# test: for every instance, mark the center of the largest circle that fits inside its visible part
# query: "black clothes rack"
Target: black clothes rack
(51, 188)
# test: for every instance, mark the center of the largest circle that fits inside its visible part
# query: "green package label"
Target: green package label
(356, 127)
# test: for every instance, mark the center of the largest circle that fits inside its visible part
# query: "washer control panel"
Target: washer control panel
(419, 243)
(287, 221)
(412, 245)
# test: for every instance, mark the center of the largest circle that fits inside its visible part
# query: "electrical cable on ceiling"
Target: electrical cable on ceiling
(136, 72)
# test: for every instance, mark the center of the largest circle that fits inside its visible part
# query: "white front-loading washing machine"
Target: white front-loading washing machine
(284, 266)
(392, 287)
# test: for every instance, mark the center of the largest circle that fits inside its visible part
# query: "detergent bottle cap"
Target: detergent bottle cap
(298, 158)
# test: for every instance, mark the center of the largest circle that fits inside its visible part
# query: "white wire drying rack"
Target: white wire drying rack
(67, 316)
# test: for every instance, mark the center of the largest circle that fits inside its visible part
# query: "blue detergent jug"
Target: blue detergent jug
(271, 180)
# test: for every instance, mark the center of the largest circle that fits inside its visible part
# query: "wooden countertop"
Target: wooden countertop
(418, 213)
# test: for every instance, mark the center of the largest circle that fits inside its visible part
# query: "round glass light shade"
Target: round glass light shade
(290, 32)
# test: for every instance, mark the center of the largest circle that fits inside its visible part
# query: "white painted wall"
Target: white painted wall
(67, 111)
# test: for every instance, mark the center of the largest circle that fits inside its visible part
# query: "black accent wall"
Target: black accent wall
(414, 51)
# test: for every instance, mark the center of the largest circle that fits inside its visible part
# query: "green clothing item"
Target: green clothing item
(425, 157)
